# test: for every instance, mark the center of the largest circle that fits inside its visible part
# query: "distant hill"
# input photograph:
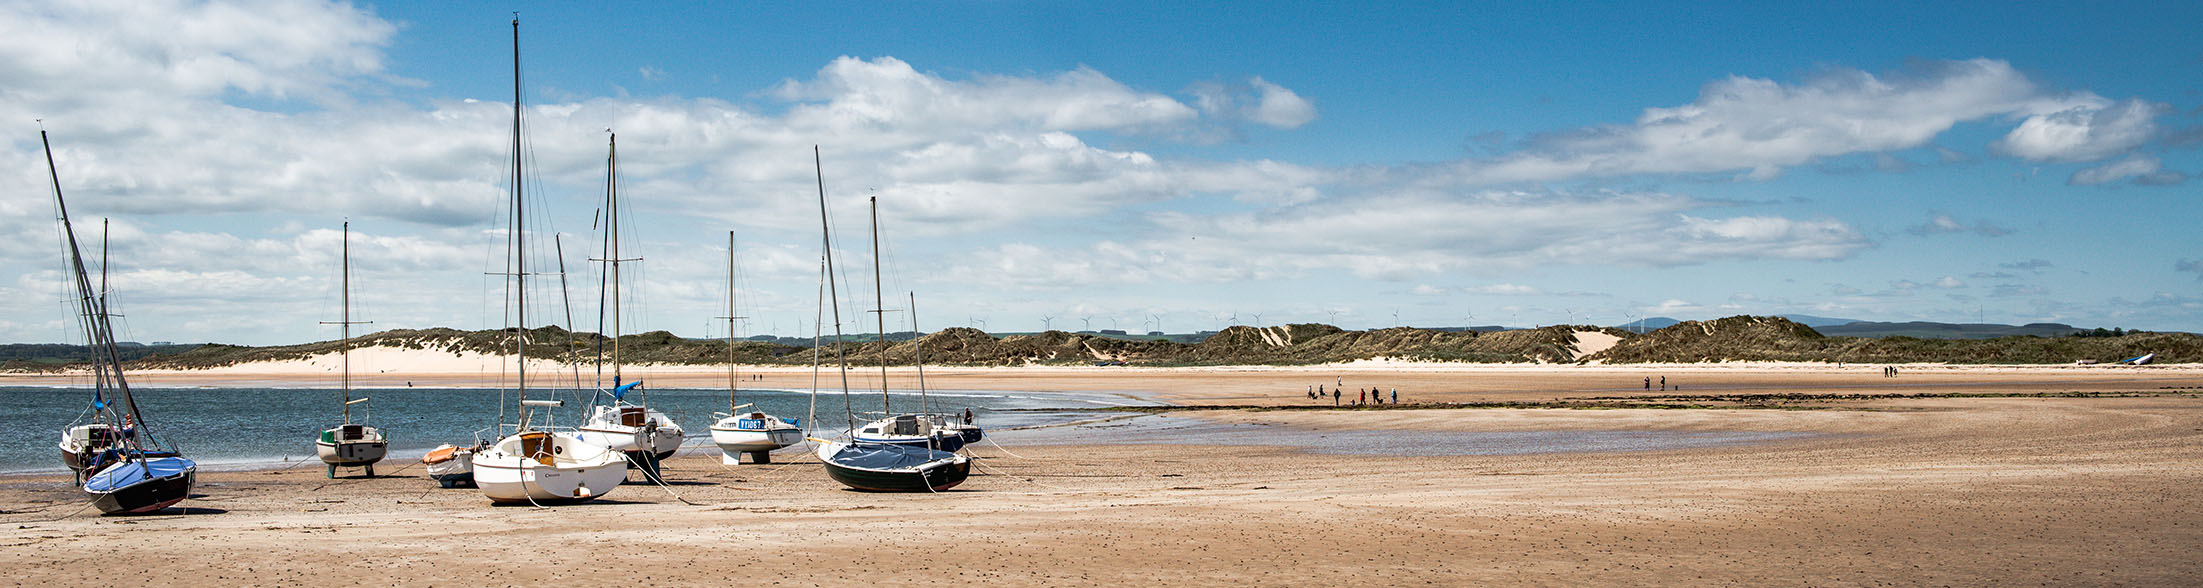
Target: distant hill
(1648, 324)
(1933, 330)
(1737, 338)
(1816, 321)
(1754, 338)
(30, 355)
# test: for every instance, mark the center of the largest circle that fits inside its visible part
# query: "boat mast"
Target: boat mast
(345, 317)
(826, 236)
(518, 243)
(879, 302)
(731, 318)
(612, 232)
(344, 346)
(101, 381)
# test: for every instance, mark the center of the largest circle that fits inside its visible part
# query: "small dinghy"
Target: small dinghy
(450, 466)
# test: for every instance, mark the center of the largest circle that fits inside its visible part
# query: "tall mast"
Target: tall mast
(518, 243)
(612, 222)
(103, 301)
(826, 236)
(731, 318)
(344, 346)
(345, 316)
(879, 303)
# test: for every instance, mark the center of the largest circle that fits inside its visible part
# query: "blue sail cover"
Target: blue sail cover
(620, 393)
(134, 472)
(886, 457)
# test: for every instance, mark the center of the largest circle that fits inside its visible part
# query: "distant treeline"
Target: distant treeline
(22, 355)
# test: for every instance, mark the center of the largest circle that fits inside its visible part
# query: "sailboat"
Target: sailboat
(537, 464)
(870, 465)
(754, 432)
(125, 467)
(646, 436)
(350, 445)
(919, 429)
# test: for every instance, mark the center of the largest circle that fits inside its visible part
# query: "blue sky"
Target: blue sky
(1122, 163)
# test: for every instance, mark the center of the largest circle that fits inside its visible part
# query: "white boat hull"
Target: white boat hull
(336, 450)
(736, 435)
(604, 428)
(577, 470)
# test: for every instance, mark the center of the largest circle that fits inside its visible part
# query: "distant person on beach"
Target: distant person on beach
(1395, 395)
(967, 415)
(1365, 397)
(1663, 383)
(1334, 397)
(1648, 382)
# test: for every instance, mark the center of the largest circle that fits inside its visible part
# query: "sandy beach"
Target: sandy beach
(1881, 481)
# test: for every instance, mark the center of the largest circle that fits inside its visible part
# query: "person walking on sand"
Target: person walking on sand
(1334, 397)
(1395, 395)
(1365, 397)
(1648, 383)
(1663, 383)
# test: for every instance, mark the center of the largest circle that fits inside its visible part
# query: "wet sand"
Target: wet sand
(1960, 491)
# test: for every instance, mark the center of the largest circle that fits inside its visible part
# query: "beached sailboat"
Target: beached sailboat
(644, 435)
(350, 445)
(754, 432)
(867, 465)
(537, 464)
(125, 467)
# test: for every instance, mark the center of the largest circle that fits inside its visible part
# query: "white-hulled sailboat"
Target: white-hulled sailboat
(536, 464)
(632, 428)
(124, 466)
(754, 432)
(350, 445)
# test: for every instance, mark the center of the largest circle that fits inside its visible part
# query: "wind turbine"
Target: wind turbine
(1395, 316)
(1258, 320)
(1158, 322)
(1047, 322)
(1087, 320)
(1334, 317)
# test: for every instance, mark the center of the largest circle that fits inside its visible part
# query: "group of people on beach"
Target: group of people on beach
(1363, 396)
(1663, 383)
(1889, 371)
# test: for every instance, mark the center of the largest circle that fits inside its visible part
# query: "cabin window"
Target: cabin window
(873, 430)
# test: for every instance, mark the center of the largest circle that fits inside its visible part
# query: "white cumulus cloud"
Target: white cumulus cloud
(2085, 132)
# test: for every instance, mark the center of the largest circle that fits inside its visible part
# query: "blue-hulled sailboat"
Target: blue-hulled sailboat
(125, 467)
